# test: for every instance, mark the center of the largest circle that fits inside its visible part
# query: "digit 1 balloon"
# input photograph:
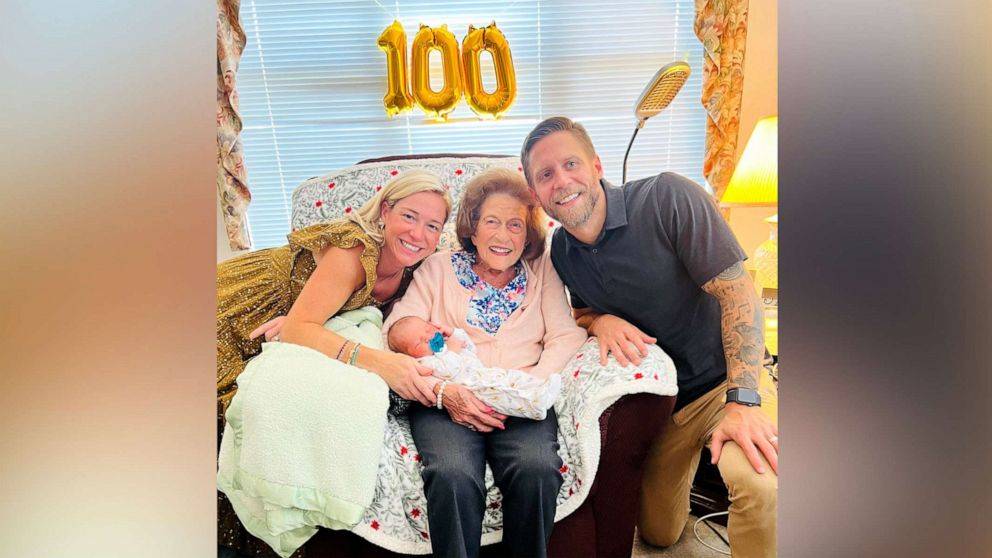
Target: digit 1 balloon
(392, 41)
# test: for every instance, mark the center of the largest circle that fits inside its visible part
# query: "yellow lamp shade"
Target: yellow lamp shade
(755, 180)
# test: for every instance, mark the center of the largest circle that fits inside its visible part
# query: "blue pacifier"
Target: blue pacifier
(437, 343)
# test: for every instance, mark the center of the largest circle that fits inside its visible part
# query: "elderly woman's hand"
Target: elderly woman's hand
(466, 409)
(404, 375)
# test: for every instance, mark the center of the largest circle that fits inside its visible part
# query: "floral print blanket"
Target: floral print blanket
(397, 518)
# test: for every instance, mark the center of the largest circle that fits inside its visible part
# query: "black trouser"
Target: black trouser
(525, 463)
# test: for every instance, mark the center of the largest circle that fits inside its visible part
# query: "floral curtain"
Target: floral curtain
(232, 179)
(721, 26)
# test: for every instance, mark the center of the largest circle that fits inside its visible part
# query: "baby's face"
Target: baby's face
(412, 336)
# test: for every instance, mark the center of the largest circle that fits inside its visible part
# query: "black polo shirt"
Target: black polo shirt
(663, 238)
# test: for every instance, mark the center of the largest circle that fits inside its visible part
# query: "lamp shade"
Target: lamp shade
(755, 180)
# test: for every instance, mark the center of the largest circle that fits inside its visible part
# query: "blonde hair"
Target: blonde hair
(405, 184)
(500, 180)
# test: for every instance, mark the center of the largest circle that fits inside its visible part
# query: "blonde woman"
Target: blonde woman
(366, 258)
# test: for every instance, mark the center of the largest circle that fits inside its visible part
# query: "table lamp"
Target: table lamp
(755, 184)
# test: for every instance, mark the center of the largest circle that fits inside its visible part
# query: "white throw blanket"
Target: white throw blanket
(303, 438)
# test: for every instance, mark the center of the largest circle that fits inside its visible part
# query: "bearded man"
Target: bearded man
(653, 261)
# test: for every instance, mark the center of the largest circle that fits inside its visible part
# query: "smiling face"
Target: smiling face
(565, 177)
(501, 233)
(412, 226)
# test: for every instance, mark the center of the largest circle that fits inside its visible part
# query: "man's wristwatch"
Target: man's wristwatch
(744, 396)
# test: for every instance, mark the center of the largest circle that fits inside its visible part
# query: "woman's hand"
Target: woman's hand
(270, 329)
(466, 409)
(404, 375)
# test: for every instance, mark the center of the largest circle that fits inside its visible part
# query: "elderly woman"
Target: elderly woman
(502, 289)
(364, 259)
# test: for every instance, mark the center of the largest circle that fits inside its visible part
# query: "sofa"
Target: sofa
(599, 520)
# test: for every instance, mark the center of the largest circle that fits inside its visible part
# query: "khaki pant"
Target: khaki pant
(671, 467)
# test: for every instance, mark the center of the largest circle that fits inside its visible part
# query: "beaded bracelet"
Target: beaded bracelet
(341, 350)
(354, 355)
(440, 393)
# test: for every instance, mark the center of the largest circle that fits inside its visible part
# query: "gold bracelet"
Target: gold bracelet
(341, 350)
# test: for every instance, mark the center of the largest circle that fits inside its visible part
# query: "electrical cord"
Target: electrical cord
(698, 538)
(629, 145)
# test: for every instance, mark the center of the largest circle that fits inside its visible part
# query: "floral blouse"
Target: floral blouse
(488, 306)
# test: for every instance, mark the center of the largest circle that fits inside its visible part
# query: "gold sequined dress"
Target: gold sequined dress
(261, 285)
(251, 290)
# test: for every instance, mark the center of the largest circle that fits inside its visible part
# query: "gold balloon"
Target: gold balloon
(488, 105)
(392, 41)
(436, 104)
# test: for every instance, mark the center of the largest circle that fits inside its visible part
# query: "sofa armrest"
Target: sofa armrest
(604, 525)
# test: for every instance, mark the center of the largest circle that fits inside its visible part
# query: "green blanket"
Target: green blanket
(303, 436)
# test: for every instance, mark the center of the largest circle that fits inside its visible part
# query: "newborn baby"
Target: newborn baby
(511, 392)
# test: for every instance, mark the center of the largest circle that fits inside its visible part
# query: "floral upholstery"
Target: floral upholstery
(397, 518)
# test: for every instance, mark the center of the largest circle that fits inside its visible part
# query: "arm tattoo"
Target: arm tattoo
(741, 324)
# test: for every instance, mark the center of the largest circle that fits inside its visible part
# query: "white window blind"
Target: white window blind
(311, 83)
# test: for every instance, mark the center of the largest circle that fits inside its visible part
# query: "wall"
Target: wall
(760, 99)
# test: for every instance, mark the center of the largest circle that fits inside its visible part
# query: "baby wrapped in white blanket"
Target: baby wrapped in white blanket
(508, 391)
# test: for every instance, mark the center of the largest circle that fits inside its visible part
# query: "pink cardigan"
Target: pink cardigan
(539, 337)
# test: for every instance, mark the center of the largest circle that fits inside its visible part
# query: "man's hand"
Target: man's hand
(752, 431)
(620, 337)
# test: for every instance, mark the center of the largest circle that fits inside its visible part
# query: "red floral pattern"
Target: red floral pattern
(399, 505)
(389, 521)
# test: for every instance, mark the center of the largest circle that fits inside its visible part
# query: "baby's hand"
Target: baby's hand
(454, 344)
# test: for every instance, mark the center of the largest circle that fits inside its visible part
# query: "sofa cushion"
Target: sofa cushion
(332, 195)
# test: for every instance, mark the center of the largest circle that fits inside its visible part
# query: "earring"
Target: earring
(381, 225)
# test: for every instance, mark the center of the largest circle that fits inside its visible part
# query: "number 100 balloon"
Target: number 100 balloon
(461, 73)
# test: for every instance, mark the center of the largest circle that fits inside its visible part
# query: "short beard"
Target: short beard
(580, 215)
